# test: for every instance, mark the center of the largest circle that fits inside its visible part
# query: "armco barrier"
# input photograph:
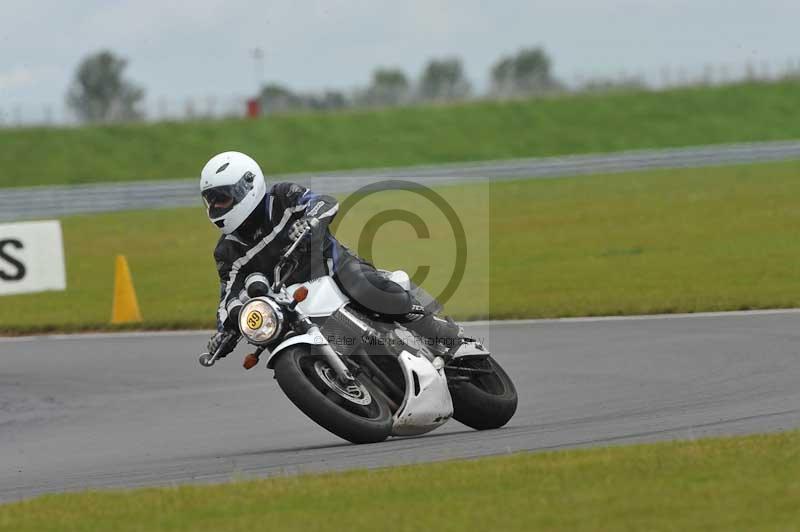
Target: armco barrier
(56, 201)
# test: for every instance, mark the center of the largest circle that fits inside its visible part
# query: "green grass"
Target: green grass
(744, 483)
(664, 241)
(392, 137)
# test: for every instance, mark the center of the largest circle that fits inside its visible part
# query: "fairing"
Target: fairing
(427, 403)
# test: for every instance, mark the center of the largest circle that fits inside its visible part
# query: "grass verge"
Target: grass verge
(743, 483)
(685, 240)
(407, 136)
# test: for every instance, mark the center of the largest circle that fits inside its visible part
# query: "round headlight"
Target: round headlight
(260, 320)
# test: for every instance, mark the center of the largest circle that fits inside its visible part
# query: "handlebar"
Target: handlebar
(277, 283)
(313, 223)
(207, 359)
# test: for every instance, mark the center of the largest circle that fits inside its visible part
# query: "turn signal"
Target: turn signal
(250, 361)
(300, 294)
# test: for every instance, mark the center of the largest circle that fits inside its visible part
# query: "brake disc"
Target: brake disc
(354, 391)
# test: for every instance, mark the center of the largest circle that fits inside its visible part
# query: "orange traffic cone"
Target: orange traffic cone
(126, 306)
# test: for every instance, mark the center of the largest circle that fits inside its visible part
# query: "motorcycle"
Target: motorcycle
(357, 375)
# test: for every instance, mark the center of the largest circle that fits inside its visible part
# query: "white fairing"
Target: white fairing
(324, 297)
(430, 406)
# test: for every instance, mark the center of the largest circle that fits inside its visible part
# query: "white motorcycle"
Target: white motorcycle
(358, 376)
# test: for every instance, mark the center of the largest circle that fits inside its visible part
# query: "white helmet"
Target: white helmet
(232, 186)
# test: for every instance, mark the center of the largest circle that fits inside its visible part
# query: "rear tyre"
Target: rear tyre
(487, 400)
(355, 413)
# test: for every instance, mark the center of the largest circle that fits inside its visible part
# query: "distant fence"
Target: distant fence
(214, 107)
(55, 201)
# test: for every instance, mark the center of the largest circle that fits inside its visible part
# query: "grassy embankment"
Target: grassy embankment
(663, 241)
(745, 483)
(394, 137)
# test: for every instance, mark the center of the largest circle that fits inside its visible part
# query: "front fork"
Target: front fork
(335, 361)
(331, 356)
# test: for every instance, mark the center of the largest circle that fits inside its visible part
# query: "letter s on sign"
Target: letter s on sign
(5, 258)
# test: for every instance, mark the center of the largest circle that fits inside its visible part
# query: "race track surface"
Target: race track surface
(133, 410)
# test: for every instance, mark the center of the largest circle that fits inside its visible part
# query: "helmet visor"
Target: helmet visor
(221, 200)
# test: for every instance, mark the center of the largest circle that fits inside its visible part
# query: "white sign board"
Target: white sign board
(31, 258)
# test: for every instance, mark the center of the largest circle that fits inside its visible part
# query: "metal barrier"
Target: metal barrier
(57, 201)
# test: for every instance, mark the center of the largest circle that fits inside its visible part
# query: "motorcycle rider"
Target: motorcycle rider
(257, 225)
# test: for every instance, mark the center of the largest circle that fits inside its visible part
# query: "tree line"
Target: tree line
(100, 91)
(442, 80)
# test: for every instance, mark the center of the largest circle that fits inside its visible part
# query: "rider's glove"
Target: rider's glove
(226, 339)
(298, 227)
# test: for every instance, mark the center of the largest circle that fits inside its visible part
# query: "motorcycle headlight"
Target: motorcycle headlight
(260, 320)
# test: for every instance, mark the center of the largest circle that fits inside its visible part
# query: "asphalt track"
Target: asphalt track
(132, 410)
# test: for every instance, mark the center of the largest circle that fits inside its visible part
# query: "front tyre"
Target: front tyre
(355, 413)
(488, 400)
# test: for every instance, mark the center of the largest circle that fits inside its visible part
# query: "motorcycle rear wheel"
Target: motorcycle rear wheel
(355, 413)
(487, 401)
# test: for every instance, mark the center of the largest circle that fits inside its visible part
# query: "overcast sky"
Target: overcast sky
(202, 47)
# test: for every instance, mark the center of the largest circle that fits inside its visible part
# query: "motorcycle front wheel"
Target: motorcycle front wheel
(354, 412)
(488, 400)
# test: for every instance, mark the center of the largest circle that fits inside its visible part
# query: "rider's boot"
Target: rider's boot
(442, 335)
